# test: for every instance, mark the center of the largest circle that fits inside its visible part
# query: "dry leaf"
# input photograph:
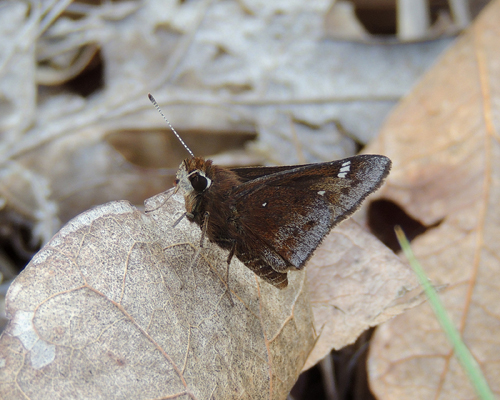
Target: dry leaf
(111, 307)
(355, 283)
(444, 143)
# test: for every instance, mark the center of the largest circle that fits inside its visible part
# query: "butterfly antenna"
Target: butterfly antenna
(152, 100)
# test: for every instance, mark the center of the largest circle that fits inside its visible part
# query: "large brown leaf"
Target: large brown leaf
(355, 283)
(444, 143)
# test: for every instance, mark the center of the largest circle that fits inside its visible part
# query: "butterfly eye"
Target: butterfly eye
(198, 182)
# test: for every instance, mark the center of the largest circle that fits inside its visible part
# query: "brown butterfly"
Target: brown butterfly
(273, 218)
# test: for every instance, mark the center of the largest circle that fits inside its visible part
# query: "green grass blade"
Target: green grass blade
(463, 354)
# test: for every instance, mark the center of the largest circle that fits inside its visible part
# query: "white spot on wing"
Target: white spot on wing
(264, 204)
(346, 167)
(321, 192)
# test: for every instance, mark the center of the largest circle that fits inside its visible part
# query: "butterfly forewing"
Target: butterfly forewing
(301, 204)
(249, 173)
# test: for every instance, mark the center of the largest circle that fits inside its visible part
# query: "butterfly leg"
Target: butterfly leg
(186, 214)
(167, 197)
(229, 258)
(204, 228)
(202, 239)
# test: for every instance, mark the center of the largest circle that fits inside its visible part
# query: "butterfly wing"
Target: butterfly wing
(299, 207)
(250, 173)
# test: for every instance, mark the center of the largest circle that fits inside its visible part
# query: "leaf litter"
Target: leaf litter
(55, 151)
(443, 140)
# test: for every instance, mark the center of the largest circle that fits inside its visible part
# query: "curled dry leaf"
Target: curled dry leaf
(111, 307)
(444, 142)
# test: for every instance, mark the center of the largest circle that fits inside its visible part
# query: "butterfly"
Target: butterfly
(273, 218)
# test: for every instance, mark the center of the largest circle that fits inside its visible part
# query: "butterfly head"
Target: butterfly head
(194, 176)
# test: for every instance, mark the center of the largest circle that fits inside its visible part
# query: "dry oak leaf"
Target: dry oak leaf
(112, 308)
(444, 142)
(355, 283)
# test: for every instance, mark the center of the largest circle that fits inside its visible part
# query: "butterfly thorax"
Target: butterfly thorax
(206, 189)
